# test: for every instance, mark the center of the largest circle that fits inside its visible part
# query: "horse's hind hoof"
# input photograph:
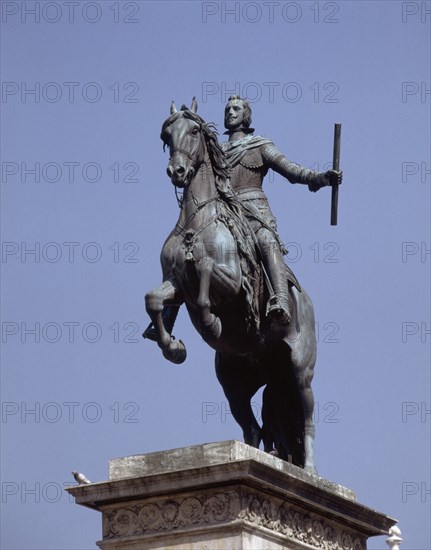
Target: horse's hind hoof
(311, 470)
(176, 352)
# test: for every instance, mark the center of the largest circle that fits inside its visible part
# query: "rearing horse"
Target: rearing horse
(210, 262)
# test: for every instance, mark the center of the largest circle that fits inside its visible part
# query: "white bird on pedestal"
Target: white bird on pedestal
(80, 478)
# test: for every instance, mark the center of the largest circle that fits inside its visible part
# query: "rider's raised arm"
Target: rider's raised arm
(292, 171)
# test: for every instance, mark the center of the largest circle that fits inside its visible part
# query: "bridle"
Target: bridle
(180, 198)
(182, 151)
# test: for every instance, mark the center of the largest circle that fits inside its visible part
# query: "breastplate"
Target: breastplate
(242, 176)
(252, 158)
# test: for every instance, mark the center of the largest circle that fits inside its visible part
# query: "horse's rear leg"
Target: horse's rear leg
(155, 300)
(303, 346)
(240, 381)
(309, 429)
(307, 397)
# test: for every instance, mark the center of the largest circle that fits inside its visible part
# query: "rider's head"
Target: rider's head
(237, 113)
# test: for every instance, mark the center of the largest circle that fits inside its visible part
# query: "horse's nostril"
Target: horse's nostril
(180, 170)
(170, 171)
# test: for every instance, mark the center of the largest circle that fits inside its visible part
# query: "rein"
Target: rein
(199, 206)
(181, 201)
(190, 235)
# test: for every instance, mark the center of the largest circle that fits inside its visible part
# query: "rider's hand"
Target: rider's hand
(325, 179)
(333, 177)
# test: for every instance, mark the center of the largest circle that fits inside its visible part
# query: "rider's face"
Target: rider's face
(234, 114)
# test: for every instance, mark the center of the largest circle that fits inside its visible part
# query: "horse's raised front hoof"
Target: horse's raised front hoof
(176, 352)
(310, 469)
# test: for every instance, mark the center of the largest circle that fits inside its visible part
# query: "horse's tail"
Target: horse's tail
(282, 409)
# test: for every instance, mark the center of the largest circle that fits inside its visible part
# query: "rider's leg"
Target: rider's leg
(273, 261)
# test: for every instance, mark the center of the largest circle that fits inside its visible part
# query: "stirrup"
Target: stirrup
(278, 309)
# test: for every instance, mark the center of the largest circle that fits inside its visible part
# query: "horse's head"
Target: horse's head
(184, 133)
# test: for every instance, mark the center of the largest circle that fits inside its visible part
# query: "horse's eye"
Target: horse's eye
(195, 131)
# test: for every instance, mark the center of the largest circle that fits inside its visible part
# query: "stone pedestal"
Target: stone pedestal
(221, 496)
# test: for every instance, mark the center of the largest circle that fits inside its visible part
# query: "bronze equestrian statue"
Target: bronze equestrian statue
(222, 259)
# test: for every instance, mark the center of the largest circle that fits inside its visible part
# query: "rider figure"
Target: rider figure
(250, 157)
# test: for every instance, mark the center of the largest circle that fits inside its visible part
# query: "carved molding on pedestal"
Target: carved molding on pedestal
(163, 515)
(170, 514)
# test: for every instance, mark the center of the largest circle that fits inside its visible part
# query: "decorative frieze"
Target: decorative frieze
(167, 515)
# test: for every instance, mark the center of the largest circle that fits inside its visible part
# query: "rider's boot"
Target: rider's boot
(278, 307)
(278, 304)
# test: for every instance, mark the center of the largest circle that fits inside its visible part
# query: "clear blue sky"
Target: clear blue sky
(84, 186)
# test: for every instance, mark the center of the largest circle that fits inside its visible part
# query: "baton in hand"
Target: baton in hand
(335, 166)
